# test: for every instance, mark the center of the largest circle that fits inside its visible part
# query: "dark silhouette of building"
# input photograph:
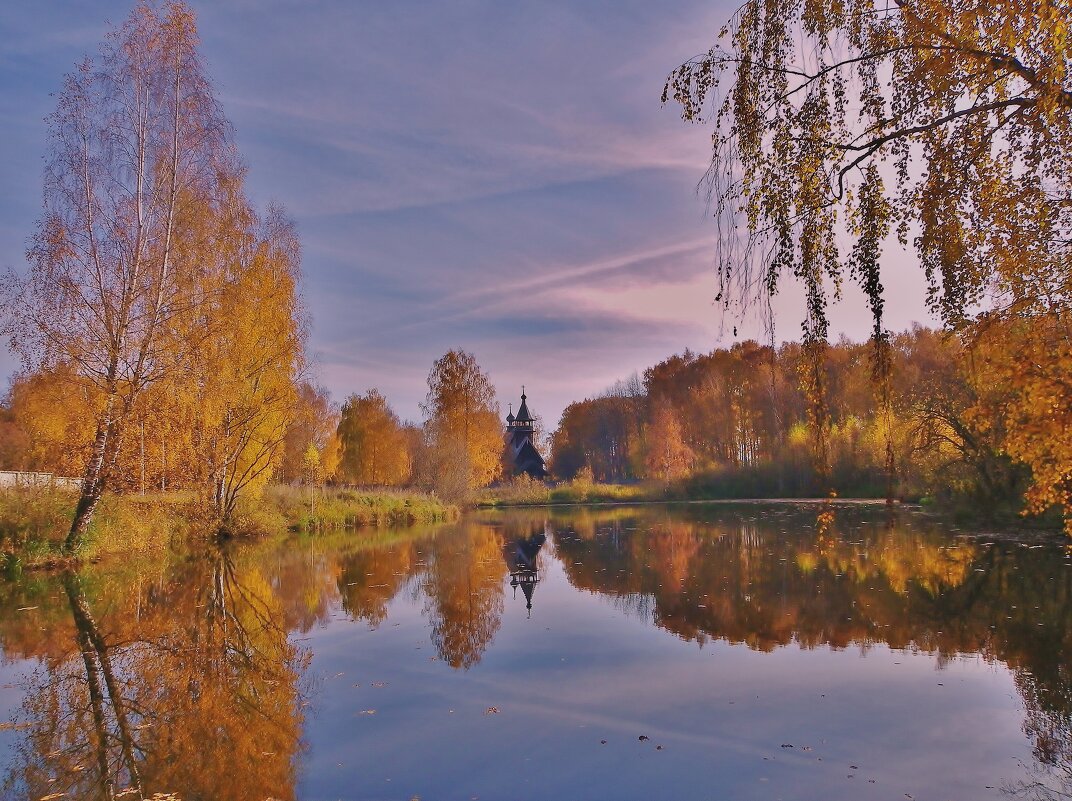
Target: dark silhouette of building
(520, 447)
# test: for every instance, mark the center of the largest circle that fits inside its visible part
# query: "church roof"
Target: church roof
(527, 459)
(523, 415)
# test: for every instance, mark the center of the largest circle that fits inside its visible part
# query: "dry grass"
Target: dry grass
(311, 509)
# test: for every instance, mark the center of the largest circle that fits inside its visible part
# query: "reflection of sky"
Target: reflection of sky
(580, 671)
(492, 176)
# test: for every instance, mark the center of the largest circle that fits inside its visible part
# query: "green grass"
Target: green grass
(312, 509)
(524, 491)
(34, 521)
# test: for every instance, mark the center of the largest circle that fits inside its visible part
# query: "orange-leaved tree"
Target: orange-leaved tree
(463, 427)
(944, 123)
(137, 139)
(374, 447)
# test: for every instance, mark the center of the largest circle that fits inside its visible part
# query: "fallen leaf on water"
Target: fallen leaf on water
(643, 737)
(491, 710)
(50, 796)
(26, 609)
(367, 712)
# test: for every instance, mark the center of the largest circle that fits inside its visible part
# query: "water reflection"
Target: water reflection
(463, 587)
(139, 669)
(741, 581)
(185, 683)
(521, 555)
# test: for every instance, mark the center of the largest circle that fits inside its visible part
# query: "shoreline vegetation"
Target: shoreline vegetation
(525, 492)
(35, 520)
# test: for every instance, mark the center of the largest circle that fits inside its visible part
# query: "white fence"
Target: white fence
(10, 478)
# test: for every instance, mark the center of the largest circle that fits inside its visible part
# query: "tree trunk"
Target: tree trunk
(93, 479)
(96, 701)
(88, 633)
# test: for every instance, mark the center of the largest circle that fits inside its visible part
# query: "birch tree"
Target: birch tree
(945, 124)
(137, 143)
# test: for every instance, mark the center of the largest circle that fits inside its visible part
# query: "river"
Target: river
(695, 652)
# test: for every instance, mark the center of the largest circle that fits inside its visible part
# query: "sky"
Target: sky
(493, 176)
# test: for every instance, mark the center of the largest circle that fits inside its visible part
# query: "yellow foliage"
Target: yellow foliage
(373, 447)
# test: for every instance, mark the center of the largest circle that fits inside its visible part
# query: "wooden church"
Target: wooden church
(519, 445)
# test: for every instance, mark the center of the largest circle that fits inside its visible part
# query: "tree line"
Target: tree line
(45, 425)
(738, 422)
(458, 448)
(967, 162)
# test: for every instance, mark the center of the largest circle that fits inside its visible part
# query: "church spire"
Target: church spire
(523, 415)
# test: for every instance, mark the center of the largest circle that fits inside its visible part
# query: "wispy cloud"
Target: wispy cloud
(487, 175)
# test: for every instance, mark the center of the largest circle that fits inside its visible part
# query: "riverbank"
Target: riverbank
(311, 509)
(525, 492)
(34, 520)
(529, 493)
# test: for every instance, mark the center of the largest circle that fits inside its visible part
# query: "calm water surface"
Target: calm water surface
(706, 652)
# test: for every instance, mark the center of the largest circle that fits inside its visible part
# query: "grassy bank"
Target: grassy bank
(752, 483)
(527, 492)
(35, 520)
(309, 509)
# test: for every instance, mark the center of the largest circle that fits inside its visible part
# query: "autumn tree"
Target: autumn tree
(374, 448)
(314, 422)
(462, 425)
(601, 435)
(14, 442)
(49, 409)
(969, 156)
(951, 403)
(246, 376)
(668, 457)
(137, 140)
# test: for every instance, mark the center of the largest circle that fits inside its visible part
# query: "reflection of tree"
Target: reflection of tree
(194, 694)
(745, 582)
(371, 577)
(465, 592)
(772, 581)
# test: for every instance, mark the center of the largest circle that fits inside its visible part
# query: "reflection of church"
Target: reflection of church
(520, 554)
(520, 432)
